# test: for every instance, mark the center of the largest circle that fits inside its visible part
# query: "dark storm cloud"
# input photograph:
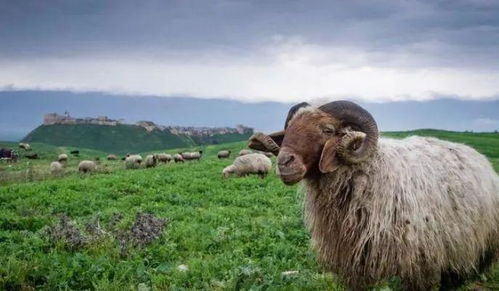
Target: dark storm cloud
(439, 33)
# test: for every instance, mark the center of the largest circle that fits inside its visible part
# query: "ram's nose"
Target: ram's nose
(290, 167)
(285, 159)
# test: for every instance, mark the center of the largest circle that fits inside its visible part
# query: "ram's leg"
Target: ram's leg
(451, 281)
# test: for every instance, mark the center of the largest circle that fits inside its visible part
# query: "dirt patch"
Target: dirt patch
(146, 229)
(67, 232)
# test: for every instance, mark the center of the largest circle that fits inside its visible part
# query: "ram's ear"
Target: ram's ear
(329, 160)
(266, 143)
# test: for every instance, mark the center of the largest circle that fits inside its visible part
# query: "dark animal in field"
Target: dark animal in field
(422, 209)
(112, 157)
(8, 155)
(32, 156)
(75, 152)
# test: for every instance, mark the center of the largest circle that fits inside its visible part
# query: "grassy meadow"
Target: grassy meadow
(84, 232)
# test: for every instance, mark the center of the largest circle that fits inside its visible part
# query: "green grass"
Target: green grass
(26, 170)
(232, 234)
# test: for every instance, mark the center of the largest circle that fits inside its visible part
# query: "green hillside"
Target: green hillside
(113, 139)
(121, 139)
(220, 138)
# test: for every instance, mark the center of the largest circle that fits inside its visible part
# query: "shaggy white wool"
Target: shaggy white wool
(418, 207)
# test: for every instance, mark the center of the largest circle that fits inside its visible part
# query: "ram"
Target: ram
(422, 209)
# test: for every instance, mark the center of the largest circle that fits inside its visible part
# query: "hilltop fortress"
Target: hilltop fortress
(149, 126)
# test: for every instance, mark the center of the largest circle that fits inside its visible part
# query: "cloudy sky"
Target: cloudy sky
(254, 50)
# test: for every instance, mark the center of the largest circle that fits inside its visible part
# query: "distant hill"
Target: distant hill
(21, 112)
(119, 139)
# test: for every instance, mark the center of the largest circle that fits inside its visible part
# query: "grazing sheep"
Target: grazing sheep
(164, 158)
(178, 158)
(151, 161)
(249, 164)
(62, 158)
(190, 156)
(87, 166)
(245, 152)
(223, 154)
(75, 152)
(133, 162)
(112, 157)
(422, 209)
(24, 146)
(56, 168)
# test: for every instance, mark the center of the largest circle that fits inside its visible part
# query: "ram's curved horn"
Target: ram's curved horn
(272, 142)
(359, 144)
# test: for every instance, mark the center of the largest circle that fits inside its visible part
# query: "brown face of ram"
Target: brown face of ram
(302, 151)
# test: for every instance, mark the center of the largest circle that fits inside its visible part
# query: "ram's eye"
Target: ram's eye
(328, 130)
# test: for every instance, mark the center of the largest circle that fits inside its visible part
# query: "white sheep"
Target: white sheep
(422, 209)
(189, 156)
(151, 161)
(87, 166)
(24, 146)
(62, 158)
(249, 164)
(178, 158)
(223, 154)
(164, 158)
(56, 168)
(133, 162)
